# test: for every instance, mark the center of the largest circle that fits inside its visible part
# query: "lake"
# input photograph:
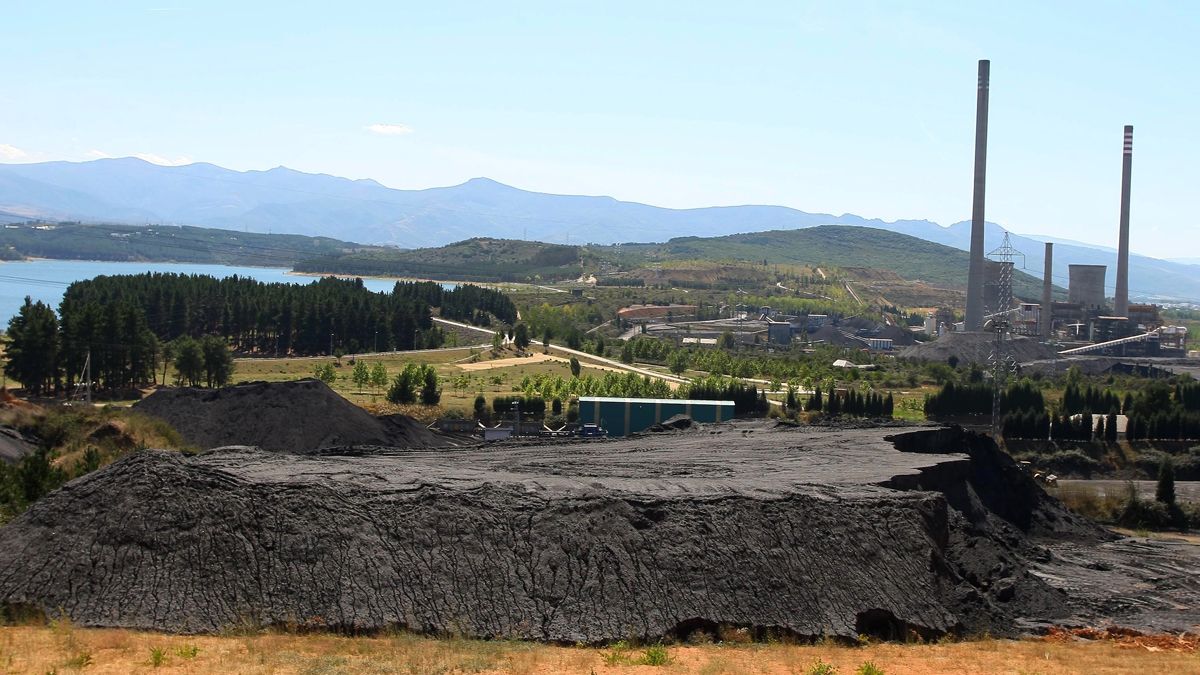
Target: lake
(47, 280)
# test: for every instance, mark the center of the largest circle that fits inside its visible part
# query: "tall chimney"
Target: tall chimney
(1046, 320)
(1121, 301)
(975, 272)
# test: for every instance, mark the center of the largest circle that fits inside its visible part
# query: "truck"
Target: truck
(591, 431)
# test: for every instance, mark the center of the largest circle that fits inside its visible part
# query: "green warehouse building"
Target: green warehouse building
(624, 416)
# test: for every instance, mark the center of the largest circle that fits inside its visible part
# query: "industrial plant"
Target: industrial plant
(1087, 322)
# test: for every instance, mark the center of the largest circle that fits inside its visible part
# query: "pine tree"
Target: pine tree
(430, 393)
(1165, 490)
(361, 375)
(189, 361)
(33, 347)
(379, 376)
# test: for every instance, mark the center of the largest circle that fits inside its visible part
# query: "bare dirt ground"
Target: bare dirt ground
(64, 648)
(536, 357)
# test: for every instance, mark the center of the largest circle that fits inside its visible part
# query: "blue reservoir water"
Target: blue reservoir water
(47, 280)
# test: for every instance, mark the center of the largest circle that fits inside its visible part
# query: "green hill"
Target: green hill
(832, 246)
(479, 259)
(160, 243)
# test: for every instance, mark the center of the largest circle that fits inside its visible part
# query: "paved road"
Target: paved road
(584, 355)
(364, 354)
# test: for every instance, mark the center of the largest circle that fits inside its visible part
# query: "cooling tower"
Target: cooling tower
(1121, 300)
(975, 273)
(1087, 285)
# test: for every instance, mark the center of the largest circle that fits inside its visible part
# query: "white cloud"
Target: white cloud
(10, 152)
(163, 161)
(97, 154)
(390, 129)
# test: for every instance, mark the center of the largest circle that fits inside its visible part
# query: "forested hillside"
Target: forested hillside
(475, 259)
(73, 241)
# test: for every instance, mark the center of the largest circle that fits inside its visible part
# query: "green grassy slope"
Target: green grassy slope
(832, 246)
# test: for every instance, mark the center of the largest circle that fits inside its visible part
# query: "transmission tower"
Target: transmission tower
(1003, 364)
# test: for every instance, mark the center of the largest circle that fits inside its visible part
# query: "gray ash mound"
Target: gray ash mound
(804, 531)
(976, 347)
(295, 417)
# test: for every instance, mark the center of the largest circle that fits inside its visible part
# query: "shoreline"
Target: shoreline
(373, 277)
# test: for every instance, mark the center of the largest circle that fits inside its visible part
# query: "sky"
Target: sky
(859, 107)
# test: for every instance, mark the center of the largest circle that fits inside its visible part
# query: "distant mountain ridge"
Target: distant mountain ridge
(282, 200)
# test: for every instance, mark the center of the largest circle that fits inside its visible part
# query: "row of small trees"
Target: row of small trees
(975, 398)
(415, 382)
(853, 403)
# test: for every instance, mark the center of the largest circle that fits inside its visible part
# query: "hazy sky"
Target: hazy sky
(837, 107)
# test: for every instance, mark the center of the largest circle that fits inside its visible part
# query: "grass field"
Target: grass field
(61, 648)
(463, 373)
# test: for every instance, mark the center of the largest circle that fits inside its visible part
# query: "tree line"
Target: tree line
(127, 324)
(975, 398)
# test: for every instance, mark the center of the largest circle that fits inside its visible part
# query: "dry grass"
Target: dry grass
(489, 375)
(64, 648)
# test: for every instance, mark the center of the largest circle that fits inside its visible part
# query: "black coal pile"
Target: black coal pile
(976, 347)
(810, 532)
(14, 445)
(674, 423)
(295, 417)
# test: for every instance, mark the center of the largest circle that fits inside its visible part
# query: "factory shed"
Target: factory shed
(624, 416)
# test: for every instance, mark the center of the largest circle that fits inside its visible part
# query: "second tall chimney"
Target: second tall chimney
(1121, 299)
(1046, 319)
(974, 318)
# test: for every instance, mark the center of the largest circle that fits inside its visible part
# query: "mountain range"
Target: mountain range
(282, 200)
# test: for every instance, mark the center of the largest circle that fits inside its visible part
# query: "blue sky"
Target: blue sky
(858, 107)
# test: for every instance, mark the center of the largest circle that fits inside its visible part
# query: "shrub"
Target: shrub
(158, 656)
(869, 668)
(819, 667)
(1164, 492)
(656, 655)
(79, 661)
(188, 651)
(617, 654)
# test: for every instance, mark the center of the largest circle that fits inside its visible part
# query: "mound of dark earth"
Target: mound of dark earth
(976, 347)
(295, 417)
(14, 444)
(812, 532)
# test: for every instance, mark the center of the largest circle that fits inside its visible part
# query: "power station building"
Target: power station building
(624, 416)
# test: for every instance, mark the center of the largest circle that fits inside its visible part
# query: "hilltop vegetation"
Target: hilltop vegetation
(121, 243)
(828, 245)
(478, 259)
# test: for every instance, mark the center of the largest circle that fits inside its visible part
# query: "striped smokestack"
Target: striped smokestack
(1046, 320)
(974, 319)
(1121, 302)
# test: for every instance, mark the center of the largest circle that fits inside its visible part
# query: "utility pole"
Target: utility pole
(87, 375)
(331, 344)
(376, 342)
